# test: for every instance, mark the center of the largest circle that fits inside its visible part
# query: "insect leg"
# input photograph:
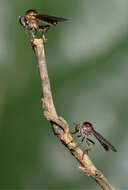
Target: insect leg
(90, 141)
(44, 29)
(90, 146)
(74, 132)
(79, 143)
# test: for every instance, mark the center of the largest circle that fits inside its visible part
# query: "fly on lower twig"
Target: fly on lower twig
(32, 18)
(85, 130)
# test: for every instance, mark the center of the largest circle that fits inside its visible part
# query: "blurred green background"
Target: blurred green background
(87, 61)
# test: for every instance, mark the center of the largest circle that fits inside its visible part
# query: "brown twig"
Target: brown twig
(59, 125)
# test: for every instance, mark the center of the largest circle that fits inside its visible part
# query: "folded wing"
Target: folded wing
(104, 142)
(50, 20)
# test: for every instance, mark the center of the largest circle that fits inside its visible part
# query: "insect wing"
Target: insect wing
(50, 19)
(104, 142)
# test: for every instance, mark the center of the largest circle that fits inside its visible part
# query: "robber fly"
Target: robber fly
(87, 129)
(32, 18)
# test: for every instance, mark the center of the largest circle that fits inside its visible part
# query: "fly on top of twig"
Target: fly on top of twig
(32, 19)
(85, 130)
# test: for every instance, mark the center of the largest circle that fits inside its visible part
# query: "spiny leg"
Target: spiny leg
(78, 144)
(44, 30)
(90, 146)
(90, 141)
(73, 133)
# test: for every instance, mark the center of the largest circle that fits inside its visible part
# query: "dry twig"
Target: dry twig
(59, 125)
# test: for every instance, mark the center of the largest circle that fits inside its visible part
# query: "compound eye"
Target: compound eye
(88, 124)
(77, 127)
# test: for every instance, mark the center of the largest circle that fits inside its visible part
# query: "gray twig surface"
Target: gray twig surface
(59, 125)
